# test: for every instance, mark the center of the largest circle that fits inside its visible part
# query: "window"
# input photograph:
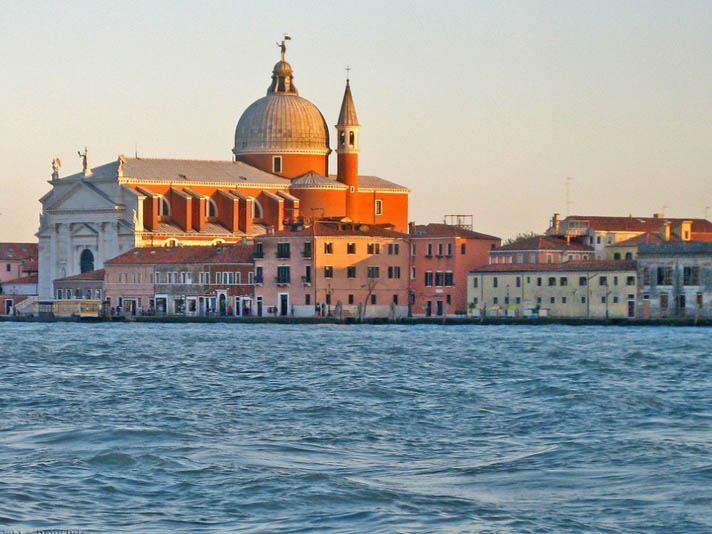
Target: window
(351, 248)
(563, 281)
(449, 300)
(207, 278)
(440, 249)
(463, 248)
(351, 271)
(328, 299)
(412, 273)
(615, 280)
(681, 302)
(164, 208)
(495, 282)
(430, 251)
(664, 276)
(237, 278)
(495, 300)
(259, 250)
(283, 251)
(328, 247)
(86, 261)
(227, 278)
(518, 300)
(258, 275)
(549, 258)
(691, 276)
(615, 300)
(582, 281)
(603, 281)
(394, 272)
(351, 299)
(60, 295)
(538, 281)
(603, 300)
(374, 248)
(212, 208)
(474, 301)
(277, 164)
(393, 249)
(563, 300)
(378, 207)
(373, 272)
(449, 282)
(552, 281)
(328, 271)
(251, 277)
(307, 299)
(552, 300)
(474, 282)
(8, 267)
(439, 278)
(395, 300)
(307, 274)
(342, 138)
(69, 293)
(373, 298)
(699, 300)
(218, 278)
(449, 249)
(307, 250)
(629, 255)
(428, 278)
(538, 300)
(519, 281)
(352, 138)
(617, 256)
(663, 301)
(630, 281)
(646, 276)
(412, 249)
(583, 300)
(283, 274)
(598, 240)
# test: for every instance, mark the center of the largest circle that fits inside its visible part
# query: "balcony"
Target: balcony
(306, 254)
(306, 280)
(258, 254)
(283, 255)
(281, 280)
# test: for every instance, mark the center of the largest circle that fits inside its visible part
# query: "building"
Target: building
(675, 280)
(542, 249)
(597, 289)
(17, 291)
(193, 281)
(441, 257)
(600, 232)
(279, 172)
(628, 248)
(334, 268)
(87, 286)
(17, 260)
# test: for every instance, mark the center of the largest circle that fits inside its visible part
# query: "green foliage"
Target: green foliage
(520, 237)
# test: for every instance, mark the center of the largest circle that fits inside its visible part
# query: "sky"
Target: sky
(482, 108)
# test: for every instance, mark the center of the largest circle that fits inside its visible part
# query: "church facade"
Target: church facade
(278, 175)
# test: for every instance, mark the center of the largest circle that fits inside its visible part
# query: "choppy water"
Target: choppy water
(384, 429)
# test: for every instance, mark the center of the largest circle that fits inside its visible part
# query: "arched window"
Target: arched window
(217, 242)
(212, 208)
(352, 139)
(164, 207)
(256, 209)
(172, 243)
(342, 138)
(629, 255)
(86, 261)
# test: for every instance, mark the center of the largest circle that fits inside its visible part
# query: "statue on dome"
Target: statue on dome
(282, 46)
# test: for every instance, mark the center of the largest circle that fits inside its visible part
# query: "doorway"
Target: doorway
(284, 303)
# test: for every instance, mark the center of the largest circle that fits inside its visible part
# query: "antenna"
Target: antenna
(569, 179)
(136, 150)
(707, 210)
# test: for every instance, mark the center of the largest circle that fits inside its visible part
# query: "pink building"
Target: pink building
(192, 281)
(441, 257)
(332, 268)
(542, 249)
(17, 260)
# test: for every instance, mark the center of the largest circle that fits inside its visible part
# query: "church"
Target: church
(278, 175)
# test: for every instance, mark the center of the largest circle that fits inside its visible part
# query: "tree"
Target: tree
(521, 237)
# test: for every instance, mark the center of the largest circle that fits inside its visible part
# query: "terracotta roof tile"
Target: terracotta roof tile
(32, 279)
(321, 228)
(177, 255)
(637, 224)
(570, 266)
(433, 230)
(543, 242)
(647, 237)
(18, 251)
(89, 275)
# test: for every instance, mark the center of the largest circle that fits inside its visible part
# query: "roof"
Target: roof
(98, 274)
(647, 237)
(347, 115)
(448, 230)
(569, 266)
(315, 179)
(32, 279)
(30, 267)
(637, 224)
(374, 182)
(177, 171)
(192, 254)
(18, 251)
(543, 242)
(676, 247)
(345, 229)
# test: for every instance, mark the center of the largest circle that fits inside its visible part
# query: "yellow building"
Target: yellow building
(597, 289)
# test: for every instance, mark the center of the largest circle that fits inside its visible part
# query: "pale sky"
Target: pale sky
(480, 108)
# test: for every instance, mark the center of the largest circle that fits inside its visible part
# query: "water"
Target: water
(383, 429)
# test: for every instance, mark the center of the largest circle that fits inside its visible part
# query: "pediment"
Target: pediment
(83, 197)
(84, 230)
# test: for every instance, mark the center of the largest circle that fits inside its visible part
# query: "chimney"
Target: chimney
(665, 231)
(411, 228)
(556, 222)
(658, 215)
(686, 230)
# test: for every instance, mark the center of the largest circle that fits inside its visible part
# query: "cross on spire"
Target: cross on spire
(348, 72)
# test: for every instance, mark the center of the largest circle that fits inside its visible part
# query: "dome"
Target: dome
(281, 123)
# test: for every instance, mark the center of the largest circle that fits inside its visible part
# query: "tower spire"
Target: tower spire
(347, 151)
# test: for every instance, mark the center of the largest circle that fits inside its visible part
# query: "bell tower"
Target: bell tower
(347, 130)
